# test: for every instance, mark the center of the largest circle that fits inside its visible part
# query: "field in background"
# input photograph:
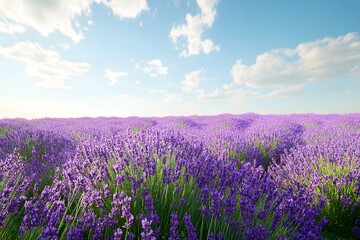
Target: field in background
(213, 177)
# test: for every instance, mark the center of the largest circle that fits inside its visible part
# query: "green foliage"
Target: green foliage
(5, 130)
(12, 221)
(135, 129)
(341, 199)
(30, 144)
(266, 150)
(167, 199)
(239, 156)
(10, 230)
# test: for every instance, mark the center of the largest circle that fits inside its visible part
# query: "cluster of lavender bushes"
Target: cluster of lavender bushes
(219, 177)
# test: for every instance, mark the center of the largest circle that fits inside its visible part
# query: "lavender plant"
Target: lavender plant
(216, 177)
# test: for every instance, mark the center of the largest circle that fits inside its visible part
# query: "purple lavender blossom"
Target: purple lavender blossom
(174, 224)
(97, 176)
(191, 231)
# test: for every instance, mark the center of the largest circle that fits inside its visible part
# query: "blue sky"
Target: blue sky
(158, 58)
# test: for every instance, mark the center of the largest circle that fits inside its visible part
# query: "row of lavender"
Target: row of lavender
(220, 177)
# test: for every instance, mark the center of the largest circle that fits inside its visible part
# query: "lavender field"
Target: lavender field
(217, 177)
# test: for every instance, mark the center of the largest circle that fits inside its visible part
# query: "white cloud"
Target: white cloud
(46, 65)
(207, 6)
(283, 73)
(194, 28)
(192, 80)
(130, 99)
(47, 16)
(126, 8)
(208, 46)
(153, 67)
(11, 28)
(319, 60)
(113, 76)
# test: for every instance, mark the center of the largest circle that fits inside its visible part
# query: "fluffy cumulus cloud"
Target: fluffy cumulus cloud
(194, 28)
(11, 28)
(153, 67)
(192, 80)
(309, 62)
(281, 73)
(47, 16)
(113, 76)
(44, 64)
(126, 8)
